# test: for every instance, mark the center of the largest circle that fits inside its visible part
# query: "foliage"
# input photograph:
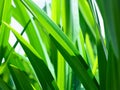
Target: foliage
(65, 50)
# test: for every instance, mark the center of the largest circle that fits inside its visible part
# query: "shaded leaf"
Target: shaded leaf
(78, 67)
(44, 76)
(20, 78)
(3, 85)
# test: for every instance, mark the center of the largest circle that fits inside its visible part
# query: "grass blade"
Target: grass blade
(102, 63)
(44, 76)
(56, 12)
(87, 14)
(77, 67)
(20, 82)
(90, 52)
(5, 14)
(110, 13)
(113, 78)
(3, 85)
(61, 39)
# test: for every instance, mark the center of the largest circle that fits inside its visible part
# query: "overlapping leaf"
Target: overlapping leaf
(44, 76)
(65, 43)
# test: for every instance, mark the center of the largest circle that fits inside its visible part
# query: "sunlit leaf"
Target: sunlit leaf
(44, 76)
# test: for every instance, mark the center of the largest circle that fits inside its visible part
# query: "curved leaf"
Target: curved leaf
(44, 76)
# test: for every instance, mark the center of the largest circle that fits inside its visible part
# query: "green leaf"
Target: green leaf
(19, 9)
(90, 52)
(36, 40)
(51, 28)
(61, 72)
(4, 32)
(66, 18)
(112, 72)
(81, 46)
(44, 53)
(44, 76)
(110, 13)
(88, 16)
(1, 10)
(78, 67)
(20, 78)
(30, 30)
(102, 63)
(3, 85)
(56, 11)
(65, 43)
(5, 14)
(75, 24)
(22, 63)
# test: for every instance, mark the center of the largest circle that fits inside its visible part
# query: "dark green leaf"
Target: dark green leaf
(46, 79)
(20, 78)
(78, 67)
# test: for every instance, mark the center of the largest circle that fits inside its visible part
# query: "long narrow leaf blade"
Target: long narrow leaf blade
(5, 14)
(59, 36)
(78, 68)
(20, 82)
(102, 63)
(46, 79)
(3, 85)
(87, 14)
